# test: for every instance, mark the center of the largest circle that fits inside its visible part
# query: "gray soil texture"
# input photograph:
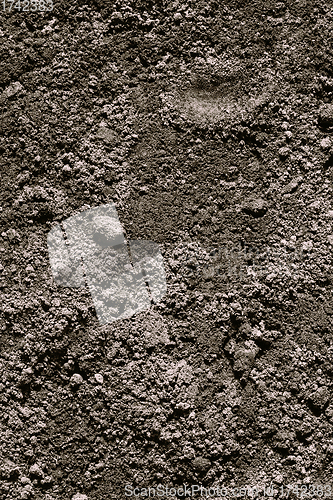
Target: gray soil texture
(209, 126)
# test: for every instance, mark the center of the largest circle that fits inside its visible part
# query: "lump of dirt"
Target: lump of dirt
(257, 207)
(201, 464)
(325, 118)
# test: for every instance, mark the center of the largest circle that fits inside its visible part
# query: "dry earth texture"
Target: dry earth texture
(209, 125)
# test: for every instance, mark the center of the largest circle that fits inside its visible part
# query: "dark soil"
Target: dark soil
(209, 125)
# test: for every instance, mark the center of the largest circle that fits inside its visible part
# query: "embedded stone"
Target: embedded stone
(201, 464)
(325, 118)
(257, 207)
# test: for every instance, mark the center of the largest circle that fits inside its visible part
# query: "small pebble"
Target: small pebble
(316, 205)
(325, 118)
(79, 496)
(13, 89)
(177, 16)
(256, 207)
(284, 152)
(25, 480)
(26, 492)
(320, 397)
(201, 464)
(99, 378)
(236, 306)
(256, 334)
(28, 371)
(100, 466)
(26, 412)
(107, 135)
(325, 143)
(35, 470)
(11, 234)
(76, 379)
(307, 245)
(244, 358)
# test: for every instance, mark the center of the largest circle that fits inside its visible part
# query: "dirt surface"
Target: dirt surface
(209, 125)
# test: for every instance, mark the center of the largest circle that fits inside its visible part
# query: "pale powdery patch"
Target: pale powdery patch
(118, 280)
